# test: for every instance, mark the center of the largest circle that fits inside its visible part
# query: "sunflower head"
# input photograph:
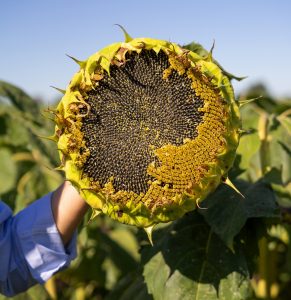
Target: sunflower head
(146, 130)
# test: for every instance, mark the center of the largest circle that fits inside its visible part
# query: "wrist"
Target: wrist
(68, 209)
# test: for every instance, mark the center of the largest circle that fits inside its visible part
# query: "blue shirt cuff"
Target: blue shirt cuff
(40, 241)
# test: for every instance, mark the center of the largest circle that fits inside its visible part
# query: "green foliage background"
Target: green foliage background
(237, 248)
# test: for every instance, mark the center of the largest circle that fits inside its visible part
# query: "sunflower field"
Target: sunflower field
(235, 246)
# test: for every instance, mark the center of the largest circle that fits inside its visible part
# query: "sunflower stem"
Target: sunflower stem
(264, 149)
(264, 285)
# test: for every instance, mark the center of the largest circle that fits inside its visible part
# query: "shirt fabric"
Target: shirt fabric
(31, 249)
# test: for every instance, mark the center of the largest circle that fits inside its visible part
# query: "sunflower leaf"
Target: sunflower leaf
(191, 262)
(227, 212)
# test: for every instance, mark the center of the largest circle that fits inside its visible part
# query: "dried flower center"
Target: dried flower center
(133, 112)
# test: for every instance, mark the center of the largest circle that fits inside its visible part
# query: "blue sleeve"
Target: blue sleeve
(31, 249)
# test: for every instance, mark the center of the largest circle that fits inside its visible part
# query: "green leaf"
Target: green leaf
(130, 287)
(196, 48)
(249, 143)
(8, 171)
(286, 123)
(277, 147)
(200, 50)
(191, 262)
(20, 100)
(47, 148)
(227, 212)
(236, 169)
(16, 133)
(280, 148)
(261, 201)
(274, 176)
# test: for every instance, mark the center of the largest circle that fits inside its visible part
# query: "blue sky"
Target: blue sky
(252, 38)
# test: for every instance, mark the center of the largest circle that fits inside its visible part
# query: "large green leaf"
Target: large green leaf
(227, 211)
(191, 262)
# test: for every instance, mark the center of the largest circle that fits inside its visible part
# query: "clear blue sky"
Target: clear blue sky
(252, 37)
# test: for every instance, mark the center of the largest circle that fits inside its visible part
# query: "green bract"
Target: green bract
(146, 130)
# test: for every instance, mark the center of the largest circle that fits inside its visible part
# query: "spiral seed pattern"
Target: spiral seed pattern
(133, 112)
